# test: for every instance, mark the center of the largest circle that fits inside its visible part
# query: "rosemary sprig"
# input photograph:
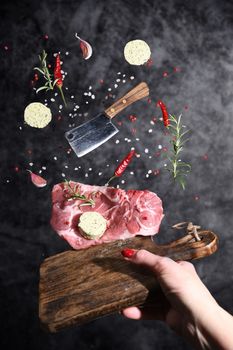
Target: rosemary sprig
(43, 69)
(177, 168)
(73, 193)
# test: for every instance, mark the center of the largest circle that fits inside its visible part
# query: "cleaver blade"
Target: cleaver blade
(90, 135)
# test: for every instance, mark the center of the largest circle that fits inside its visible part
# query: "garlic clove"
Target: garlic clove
(85, 47)
(37, 180)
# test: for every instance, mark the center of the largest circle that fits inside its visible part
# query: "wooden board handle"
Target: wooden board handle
(137, 93)
(79, 286)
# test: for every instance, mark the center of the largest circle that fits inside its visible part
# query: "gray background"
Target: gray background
(194, 36)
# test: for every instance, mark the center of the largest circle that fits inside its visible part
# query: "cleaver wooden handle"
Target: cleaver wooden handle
(137, 93)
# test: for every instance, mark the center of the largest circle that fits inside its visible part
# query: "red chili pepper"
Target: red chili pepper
(123, 165)
(58, 76)
(165, 113)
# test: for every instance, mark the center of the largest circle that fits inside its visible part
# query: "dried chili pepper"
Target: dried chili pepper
(165, 113)
(58, 77)
(122, 166)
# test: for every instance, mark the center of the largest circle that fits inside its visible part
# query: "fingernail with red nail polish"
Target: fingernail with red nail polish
(128, 253)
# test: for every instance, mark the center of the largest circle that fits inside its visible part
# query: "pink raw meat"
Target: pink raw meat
(128, 213)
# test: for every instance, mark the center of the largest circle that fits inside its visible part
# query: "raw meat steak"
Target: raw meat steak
(128, 213)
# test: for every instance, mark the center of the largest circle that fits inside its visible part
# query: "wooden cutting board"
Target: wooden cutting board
(80, 286)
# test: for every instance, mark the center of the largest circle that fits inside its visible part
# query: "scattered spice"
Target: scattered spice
(58, 77)
(164, 112)
(122, 166)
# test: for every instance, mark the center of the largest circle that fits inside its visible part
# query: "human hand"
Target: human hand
(185, 304)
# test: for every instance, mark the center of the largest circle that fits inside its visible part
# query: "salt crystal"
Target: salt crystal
(107, 165)
(55, 158)
(67, 53)
(60, 106)
(72, 96)
(93, 97)
(165, 165)
(7, 181)
(119, 73)
(122, 181)
(160, 146)
(150, 131)
(132, 77)
(87, 102)
(150, 157)
(86, 175)
(115, 86)
(149, 171)
(100, 173)
(117, 141)
(20, 128)
(123, 75)
(109, 89)
(85, 94)
(146, 150)
(132, 148)
(137, 139)
(152, 122)
(89, 93)
(123, 81)
(31, 164)
(75, 169)
(40, 171)
(90, 169)
(131, 173)
(118, 80)
(90, 87)
(44, 167)
(63, 175)
(66, 166)
(147, 175)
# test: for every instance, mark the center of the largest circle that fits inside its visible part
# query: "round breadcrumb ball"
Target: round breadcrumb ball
(37, 115)
(137, 52)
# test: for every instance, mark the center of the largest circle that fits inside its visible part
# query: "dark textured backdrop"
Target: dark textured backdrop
(194, 36)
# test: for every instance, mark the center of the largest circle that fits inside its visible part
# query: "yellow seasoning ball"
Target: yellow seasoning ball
(92, 225)
(137, 52)
(37, 115)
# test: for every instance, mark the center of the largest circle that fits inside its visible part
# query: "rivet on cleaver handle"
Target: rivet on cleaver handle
(90, 135)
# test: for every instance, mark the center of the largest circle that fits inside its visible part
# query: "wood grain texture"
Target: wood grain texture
(79, 286)
(137, 93)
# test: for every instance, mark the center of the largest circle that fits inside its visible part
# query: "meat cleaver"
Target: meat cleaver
(90, 135)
